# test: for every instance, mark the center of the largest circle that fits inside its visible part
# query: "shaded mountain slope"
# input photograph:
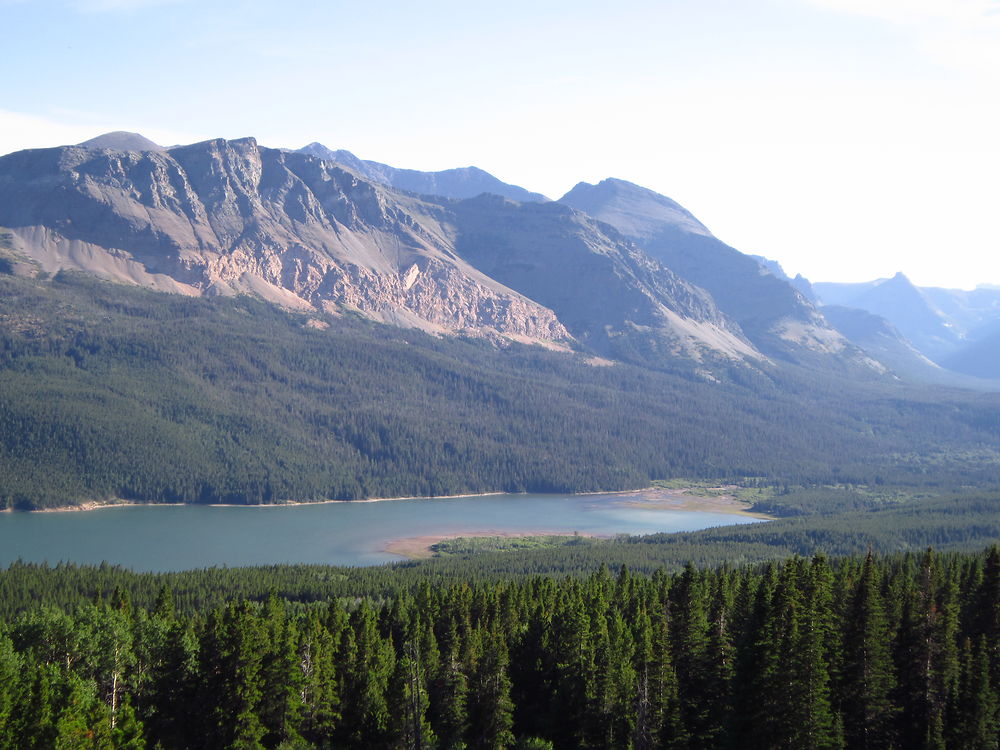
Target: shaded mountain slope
(906, 306)
(610, 295)
(774, 316)
(980, 358)
(902, 303)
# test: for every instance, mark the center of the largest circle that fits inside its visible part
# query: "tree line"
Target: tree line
(859, 652)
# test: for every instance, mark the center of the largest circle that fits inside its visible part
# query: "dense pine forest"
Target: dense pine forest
(108, 391)
(859, 652)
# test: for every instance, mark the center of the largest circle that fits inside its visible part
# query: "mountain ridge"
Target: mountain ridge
(226, 217)
(461, 182)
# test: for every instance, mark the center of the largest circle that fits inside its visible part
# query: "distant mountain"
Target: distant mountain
(973, 313)
(121, 140)
(227, 217)
(884, 342)
(842, 293)
(800, 282)
(980, 358)
(464, 182)
(778, 319)
(908, 308)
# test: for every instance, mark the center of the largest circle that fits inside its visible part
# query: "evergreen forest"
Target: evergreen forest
(109, 392)
(866, 651)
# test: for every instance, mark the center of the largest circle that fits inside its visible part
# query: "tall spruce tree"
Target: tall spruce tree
(975, 718)
(689, 618)
(491, 713)
(868, 679)
(928, 659)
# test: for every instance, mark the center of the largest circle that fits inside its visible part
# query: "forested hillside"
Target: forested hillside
(108, 391)
(861, 652)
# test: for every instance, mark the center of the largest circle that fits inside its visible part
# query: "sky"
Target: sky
(846, 139)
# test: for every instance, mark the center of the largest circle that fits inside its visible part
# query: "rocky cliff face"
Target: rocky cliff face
(223, 217)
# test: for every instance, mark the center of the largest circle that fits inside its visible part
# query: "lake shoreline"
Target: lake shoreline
(98, 505)
(652, 498)
(419, 547)
(648, 498)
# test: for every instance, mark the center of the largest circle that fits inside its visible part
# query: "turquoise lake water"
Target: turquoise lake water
(162, 538)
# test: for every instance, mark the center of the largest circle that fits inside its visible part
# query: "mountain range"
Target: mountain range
(613, 269)
(956, 330)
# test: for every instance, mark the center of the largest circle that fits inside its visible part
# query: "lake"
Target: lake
(178, 537)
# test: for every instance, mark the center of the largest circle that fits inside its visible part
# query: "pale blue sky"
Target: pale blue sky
(847, 139)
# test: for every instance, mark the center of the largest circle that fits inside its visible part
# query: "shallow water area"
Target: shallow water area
(180, 537)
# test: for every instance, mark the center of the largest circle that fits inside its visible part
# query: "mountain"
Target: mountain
(980, 357)
(800, 282)
(774, 316)
(883, 341)
(264, 375)
(609, 294)
(223, 217)
(121, 140)
(227, 217)
(972, 312)
(956, 328)
(907, 307)
(464, 182)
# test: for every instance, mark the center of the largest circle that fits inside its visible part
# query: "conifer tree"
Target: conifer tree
(689, 618)
(665, 701)
(367, 662)
(83, 723)
(35, 728)
(231, 652)
(491, 713)
(408, 696)
(128, 731)
(928, 656)
(987, 613)
(450, 689)
(613, 712)
(281, 675)
(820, 727)
(319, 696)
(868, 680)
(976, 714)
(571, 644)
(721, 658)
(11, 689)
